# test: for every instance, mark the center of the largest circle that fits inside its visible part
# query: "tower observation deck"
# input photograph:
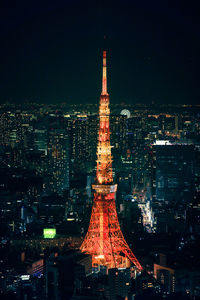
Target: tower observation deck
(104, 240)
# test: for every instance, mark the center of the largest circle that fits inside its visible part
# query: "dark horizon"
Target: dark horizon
(52, 52)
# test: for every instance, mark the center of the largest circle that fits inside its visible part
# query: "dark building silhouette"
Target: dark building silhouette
(173, 173)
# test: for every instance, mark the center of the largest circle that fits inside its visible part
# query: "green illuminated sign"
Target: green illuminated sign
(49, 233)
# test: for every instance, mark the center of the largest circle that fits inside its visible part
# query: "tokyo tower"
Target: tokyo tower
(104, 240)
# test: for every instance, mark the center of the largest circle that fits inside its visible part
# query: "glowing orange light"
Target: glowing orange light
(104, 239)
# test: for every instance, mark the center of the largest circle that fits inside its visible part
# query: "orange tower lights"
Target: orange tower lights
(104, 240)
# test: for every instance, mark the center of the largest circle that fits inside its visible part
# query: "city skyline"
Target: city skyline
(50, 52)
(99, 201)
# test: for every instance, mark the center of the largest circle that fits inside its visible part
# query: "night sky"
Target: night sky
(51, 51)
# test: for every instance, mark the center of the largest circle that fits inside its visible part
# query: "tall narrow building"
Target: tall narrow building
(58, 160)
(104, 240)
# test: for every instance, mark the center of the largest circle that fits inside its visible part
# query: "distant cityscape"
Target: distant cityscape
(47, 167)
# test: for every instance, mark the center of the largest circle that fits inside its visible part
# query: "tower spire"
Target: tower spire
(104, 76)
(104, 157)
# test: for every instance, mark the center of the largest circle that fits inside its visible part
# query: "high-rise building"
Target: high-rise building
(4, 129)
(173, 173)
(119, 283)
(58, 160)
(118, 127)
(40, 139)
(83, 140)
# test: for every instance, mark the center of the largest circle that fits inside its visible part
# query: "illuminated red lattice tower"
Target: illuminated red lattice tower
(104, 240)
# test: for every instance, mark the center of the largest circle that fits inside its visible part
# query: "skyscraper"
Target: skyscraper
(58, 160)
(173, 173)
